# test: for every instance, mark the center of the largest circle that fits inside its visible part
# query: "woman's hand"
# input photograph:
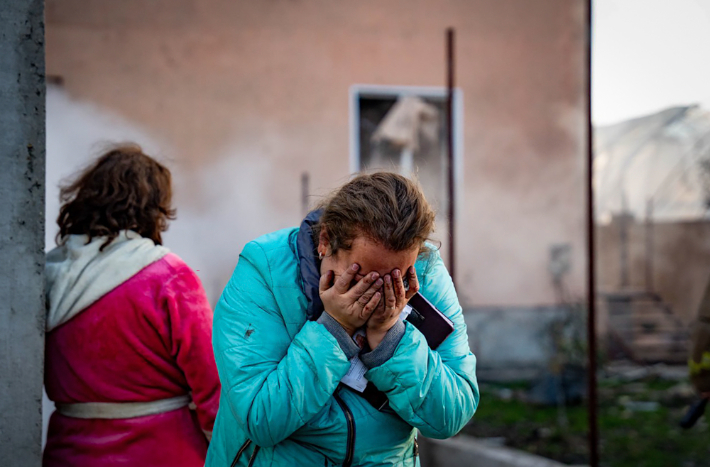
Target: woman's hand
(351, 307)
(396, 298)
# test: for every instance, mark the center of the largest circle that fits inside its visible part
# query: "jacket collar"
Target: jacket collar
(309, 264)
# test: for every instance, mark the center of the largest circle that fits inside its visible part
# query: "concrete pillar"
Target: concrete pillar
(22, 152)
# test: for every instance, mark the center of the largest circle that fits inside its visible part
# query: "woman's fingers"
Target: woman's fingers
(390, 297)
(366, 296)
(342, 284)
(363, 286)
(371, 305)
(413, 282)
(399, 291)
(324, 283)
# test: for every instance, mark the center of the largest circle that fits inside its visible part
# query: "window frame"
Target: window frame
(374, 91)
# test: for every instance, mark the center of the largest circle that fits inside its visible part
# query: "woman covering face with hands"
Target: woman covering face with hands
(287, 331)
(364, 296)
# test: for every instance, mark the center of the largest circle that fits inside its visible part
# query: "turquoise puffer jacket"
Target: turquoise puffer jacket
(281, 404)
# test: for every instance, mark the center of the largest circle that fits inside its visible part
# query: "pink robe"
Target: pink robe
(149, 338)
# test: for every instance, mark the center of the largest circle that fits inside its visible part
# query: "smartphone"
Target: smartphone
(431, 322)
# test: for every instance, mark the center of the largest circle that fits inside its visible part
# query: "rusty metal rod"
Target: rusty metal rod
(450, 148)
(591, 279)
(305, 179)
(649, 245)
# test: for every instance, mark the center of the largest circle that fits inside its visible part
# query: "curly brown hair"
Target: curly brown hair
(123, 190)
(384, 206)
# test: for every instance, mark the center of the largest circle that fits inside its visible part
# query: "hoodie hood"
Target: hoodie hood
(77, 273)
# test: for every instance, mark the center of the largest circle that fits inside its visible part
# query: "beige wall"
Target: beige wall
(267, 82)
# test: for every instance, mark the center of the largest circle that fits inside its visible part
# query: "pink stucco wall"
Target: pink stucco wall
(269, 81)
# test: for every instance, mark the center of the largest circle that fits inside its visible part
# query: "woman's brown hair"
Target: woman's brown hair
(123, 190)
(384, 206)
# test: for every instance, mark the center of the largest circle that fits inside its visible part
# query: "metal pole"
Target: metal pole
(624, 221)
(591, 282)
(305, 178)
(649, 245)
(450, 147)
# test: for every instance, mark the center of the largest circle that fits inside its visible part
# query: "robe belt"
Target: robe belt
(115, 410)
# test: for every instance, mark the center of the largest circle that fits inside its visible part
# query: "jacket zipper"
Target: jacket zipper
(240, 452)
(253, 456)
(351, 431)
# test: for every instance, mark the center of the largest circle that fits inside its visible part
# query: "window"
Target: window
(403, 129)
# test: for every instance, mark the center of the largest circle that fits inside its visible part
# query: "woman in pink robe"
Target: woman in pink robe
(129, 328)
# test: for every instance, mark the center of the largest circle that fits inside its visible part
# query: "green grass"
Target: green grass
(627, 439)
(651, 439)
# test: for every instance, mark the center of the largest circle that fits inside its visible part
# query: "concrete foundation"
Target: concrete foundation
(515, 343)
(465, 450)
(22, 158)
